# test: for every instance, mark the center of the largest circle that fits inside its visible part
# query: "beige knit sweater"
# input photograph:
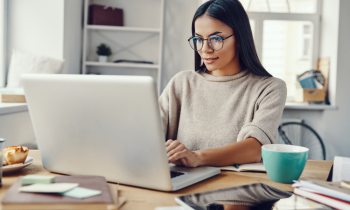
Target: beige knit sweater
(203, 111)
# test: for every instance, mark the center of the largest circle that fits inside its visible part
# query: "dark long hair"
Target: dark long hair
(232, 13)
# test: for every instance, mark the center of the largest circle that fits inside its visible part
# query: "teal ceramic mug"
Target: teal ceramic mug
(284, 163)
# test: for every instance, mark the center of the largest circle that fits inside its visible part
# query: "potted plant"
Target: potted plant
(103, 51)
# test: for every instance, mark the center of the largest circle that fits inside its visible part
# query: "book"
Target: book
(14, 199)
(332, 189)
(12, 98)
(327, 200)
(308, 83)
(12, 95)
(341, 169)
(257, 167)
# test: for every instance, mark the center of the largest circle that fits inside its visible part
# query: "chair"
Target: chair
(298, 133)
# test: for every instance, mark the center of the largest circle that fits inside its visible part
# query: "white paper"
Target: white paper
(341, 169)
(49, 188)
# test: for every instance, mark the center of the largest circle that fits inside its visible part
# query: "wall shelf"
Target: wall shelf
(129, 65)
(8, 108)
(123, 28)
(307, 106)
(141, 38)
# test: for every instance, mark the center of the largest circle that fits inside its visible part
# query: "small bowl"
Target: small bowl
(284, 163)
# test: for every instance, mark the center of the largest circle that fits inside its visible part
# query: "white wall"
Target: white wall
(48, 28)
(177, 53)
(329, 41)
(16, 129)
(72, 36)
(3, 5)
(36, 26)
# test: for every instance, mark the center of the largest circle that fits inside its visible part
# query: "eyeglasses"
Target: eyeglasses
(215, 42)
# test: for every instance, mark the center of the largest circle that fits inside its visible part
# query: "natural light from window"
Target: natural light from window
(284, 35)
(287, 50)
(280, 6)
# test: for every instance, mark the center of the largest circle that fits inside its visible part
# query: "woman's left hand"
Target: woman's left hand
(178, 154)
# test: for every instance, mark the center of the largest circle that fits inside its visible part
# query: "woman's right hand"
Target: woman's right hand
(178, 154)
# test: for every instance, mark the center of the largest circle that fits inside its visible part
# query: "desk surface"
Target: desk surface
(138, 198)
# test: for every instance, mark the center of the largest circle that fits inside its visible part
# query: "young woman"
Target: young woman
(221, 113)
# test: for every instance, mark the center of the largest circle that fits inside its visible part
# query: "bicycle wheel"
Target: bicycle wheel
(300, 134)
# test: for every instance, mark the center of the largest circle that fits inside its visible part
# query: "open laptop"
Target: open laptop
(104, 125)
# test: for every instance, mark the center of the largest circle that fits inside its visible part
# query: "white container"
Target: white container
(102, 58)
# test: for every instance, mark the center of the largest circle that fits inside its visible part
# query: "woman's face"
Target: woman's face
(222, 62)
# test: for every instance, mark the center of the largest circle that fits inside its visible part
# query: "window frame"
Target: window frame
(302, 42)
(315, 18)
(3, 41)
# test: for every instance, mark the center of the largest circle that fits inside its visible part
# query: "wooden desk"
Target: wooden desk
(144, 199)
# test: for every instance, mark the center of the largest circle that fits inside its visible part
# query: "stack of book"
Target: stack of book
(12, 95)
(333, 194)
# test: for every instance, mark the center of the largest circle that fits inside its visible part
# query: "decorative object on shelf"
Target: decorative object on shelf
(103, 51)
(132, 61)
(315, 83)
(105, 15)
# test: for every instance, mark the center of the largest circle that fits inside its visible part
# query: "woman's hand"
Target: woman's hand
(178, 154)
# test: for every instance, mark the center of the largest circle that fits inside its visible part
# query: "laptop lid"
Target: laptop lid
(99, 125)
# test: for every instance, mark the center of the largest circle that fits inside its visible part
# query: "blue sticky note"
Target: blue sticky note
(80, 192)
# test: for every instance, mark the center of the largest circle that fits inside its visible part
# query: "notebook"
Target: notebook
(258, 167)
(14, 199)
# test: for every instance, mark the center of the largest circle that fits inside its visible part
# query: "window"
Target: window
(286, 34)
(2, 42)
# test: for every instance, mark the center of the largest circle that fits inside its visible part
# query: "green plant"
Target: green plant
(104, 50)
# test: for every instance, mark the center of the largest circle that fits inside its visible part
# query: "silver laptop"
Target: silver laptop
(104, 125)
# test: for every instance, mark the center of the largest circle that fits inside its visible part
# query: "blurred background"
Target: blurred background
(149, 37)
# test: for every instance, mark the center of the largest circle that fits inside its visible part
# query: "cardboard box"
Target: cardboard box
(319, 95)
(12, 98)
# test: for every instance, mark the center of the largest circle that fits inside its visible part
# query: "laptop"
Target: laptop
(104, 125)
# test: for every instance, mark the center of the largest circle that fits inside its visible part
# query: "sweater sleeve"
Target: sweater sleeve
(164, 108)
(267, 116)
(170, 107)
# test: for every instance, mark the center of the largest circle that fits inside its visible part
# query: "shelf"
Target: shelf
(307, 106)
(128, 65)
(8, 108)
(123, 28)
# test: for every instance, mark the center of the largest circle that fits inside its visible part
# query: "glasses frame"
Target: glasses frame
(209, 42)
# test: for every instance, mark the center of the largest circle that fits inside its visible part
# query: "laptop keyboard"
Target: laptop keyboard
(174, 174)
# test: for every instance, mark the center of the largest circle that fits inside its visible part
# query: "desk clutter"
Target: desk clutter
(333, 194)
(65, 192)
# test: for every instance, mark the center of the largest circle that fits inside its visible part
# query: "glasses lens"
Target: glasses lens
(196, 43)
(216, 42)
